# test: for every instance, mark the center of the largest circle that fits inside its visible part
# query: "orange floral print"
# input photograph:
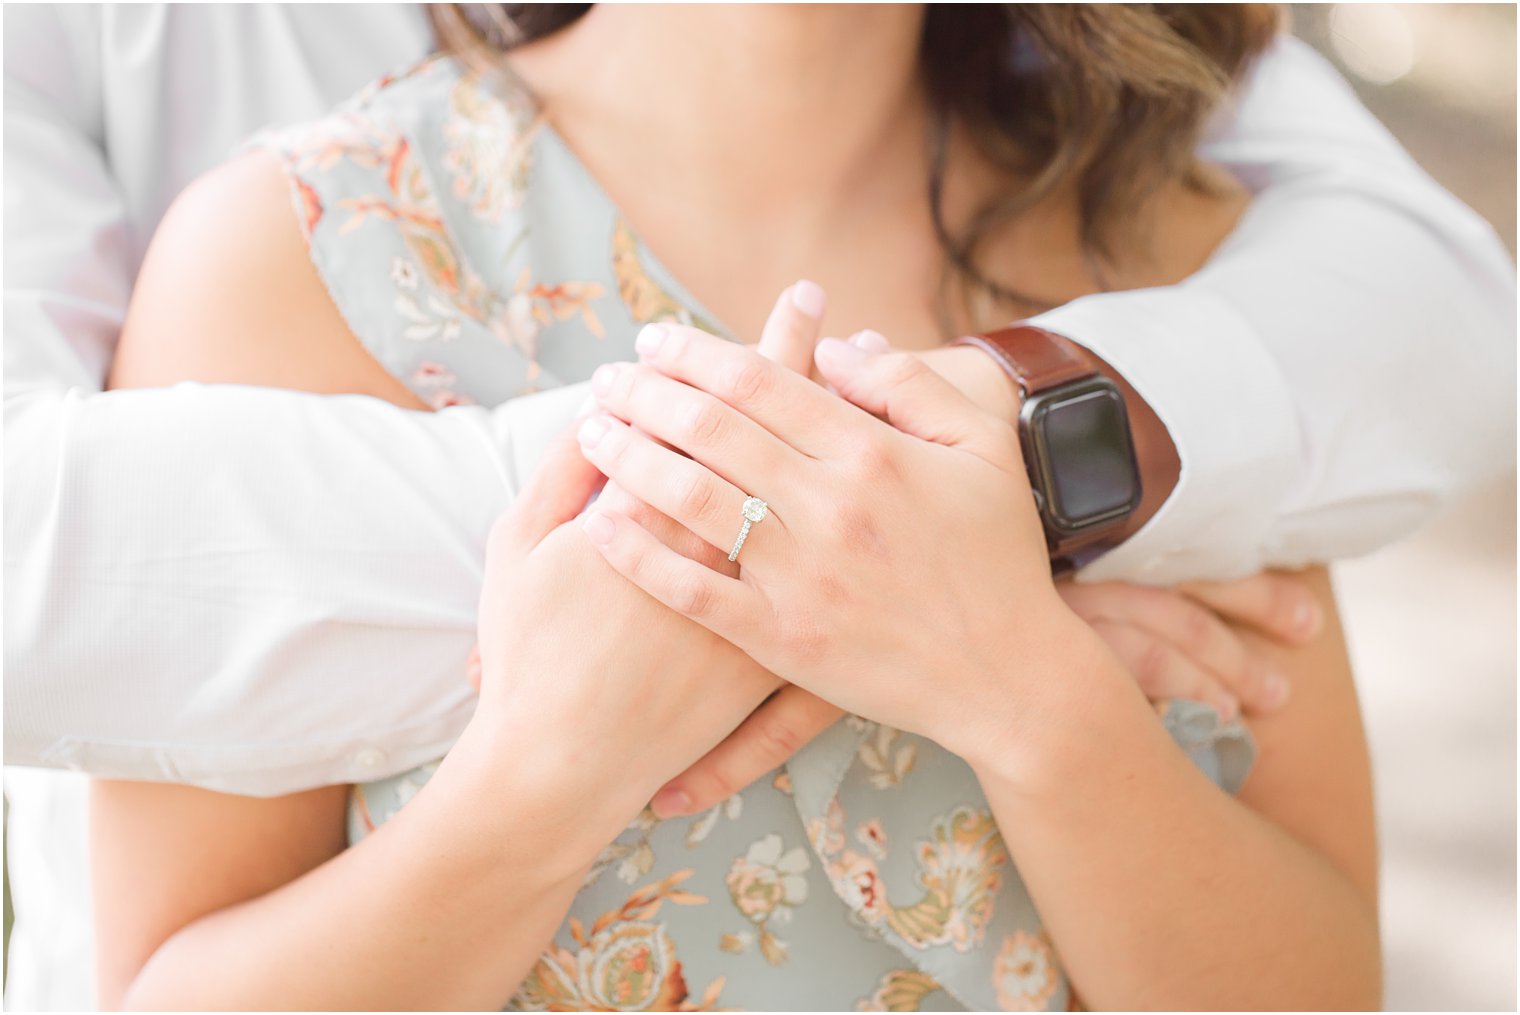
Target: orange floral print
(624, 962)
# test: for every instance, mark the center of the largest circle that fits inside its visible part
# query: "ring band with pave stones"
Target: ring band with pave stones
(754, 510)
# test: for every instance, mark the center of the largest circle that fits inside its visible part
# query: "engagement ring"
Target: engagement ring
(754, 510)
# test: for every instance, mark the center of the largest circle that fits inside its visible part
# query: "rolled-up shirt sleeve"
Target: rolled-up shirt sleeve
(1343, 366)
(246, 589)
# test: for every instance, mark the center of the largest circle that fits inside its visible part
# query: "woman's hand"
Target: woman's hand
(895, 552)
(556, 625)
(596, 688)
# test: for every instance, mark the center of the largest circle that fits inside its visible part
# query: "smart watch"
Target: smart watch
(1075, 433)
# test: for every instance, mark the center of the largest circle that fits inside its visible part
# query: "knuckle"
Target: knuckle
(746, 381)
(629, 559)
(692, 596)
(697, 499)
(776, 740)
(720, 784)
(873, 458)
(857, 532)
(704, 423)
(1251, 681)
(1284, 598)
(875, 455)
(1197, 630)
(1153, 663)
(618, 499)
(900, 367)
(854, 445)
(803, 641)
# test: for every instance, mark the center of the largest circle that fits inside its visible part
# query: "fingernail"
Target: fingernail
(599, 528)
(838, 352)
(1274, 690)
(1307, 618)
(649, 339)
(592, 431)
(601, 380)
(670, 803)
(808, 297)
(871, 341)
(1227, 707)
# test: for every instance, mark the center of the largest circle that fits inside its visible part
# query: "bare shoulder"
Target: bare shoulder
(228, 294)
(1185, 221)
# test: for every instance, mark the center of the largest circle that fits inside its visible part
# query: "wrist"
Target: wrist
(1044, 709)
(1058, 379)
(977, 376)
(514, 780)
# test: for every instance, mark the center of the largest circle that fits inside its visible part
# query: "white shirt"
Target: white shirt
(201, 588)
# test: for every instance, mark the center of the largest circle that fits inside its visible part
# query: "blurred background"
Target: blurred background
(1431, 621)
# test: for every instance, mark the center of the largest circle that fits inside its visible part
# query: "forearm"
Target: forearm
(445, 906)
(1205, 903)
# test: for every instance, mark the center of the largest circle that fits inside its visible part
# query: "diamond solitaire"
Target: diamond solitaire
(754, 510)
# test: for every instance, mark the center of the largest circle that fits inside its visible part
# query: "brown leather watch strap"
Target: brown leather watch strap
(1034, 358)
(1037, 360)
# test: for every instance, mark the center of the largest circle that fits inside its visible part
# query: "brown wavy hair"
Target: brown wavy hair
(1108, 99)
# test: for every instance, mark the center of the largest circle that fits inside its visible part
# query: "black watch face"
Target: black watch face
(1084, 460)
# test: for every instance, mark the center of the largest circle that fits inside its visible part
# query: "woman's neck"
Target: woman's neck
(781, 114)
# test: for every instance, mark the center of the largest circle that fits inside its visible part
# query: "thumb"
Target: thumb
(903, 390)
(559, 488)
(791, 331)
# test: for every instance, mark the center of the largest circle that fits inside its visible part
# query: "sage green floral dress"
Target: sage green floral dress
(478, 261)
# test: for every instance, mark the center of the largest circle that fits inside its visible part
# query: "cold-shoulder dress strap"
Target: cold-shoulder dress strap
(411, 197)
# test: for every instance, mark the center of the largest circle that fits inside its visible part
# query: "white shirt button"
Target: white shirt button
(369, 757)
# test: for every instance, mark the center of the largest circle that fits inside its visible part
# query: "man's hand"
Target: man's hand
(1178, 644)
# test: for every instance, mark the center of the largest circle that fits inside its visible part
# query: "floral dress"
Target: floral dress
(478, 261)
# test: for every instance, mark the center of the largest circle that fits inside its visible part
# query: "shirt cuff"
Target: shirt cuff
(1229, 411)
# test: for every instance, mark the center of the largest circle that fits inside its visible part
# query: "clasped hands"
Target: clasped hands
(901, 573)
